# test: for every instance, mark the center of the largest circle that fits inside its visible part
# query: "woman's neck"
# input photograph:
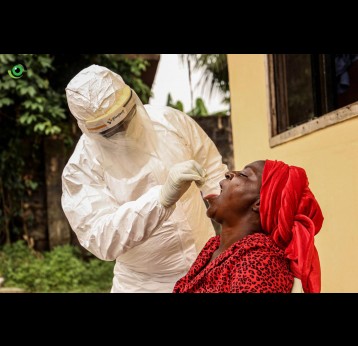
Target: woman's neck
(231, 234)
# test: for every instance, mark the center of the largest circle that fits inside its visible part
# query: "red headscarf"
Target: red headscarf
(290, 213)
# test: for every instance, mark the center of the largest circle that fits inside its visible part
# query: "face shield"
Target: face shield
(117, 118)
(113, 118)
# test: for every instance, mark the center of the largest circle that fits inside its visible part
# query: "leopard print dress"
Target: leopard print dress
(254, 264)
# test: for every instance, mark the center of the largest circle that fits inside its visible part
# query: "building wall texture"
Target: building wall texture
(329, 156)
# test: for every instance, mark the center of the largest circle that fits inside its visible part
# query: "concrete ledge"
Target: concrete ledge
(11, 290)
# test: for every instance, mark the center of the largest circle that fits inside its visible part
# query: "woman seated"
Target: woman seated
(269, 218)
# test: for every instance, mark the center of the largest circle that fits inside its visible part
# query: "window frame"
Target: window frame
(323, 121)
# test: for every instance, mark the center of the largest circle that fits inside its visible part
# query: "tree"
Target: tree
(33, 108)
(215, 71)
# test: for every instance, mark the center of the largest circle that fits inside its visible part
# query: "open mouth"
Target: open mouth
(212, 195)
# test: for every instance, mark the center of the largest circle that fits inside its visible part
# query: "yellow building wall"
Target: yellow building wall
(329, 156)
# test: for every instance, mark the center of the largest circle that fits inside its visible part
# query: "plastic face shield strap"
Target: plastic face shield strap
(115, 121)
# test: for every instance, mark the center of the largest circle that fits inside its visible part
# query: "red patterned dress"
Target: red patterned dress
(254, 264)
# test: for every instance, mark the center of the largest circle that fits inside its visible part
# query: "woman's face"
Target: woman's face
(239, 192)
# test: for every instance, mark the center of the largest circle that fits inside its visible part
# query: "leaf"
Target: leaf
(30, 119)
(31, 90)
(23, 118)
(39, 127)
(6, 102)
(55, 130)
(179, 105)
(45, 61)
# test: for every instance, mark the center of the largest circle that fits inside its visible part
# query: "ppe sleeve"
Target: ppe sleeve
(204, 152)
(102, 226)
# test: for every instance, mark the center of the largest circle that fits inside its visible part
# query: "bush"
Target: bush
(59, 270)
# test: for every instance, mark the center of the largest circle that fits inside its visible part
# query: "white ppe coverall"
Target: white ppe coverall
(111, 186)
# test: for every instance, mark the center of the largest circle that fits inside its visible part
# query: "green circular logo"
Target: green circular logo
(17, 71)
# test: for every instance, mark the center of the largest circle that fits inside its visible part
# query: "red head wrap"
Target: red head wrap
(290, 213)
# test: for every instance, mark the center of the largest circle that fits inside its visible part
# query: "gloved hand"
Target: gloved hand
(178, 181)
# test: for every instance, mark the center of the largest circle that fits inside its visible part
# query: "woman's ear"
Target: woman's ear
(256, 206)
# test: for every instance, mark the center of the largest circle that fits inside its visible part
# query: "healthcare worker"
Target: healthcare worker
(132, 189)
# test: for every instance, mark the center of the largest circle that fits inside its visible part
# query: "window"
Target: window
(309, 92)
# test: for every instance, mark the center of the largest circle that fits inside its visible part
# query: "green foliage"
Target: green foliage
(60, 270)
(31, 101)
(199, 109)
(34, 107)
(178, 105)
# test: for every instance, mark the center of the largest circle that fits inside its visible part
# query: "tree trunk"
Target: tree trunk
(58, 228)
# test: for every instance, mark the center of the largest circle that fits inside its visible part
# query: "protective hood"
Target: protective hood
(107, 110)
